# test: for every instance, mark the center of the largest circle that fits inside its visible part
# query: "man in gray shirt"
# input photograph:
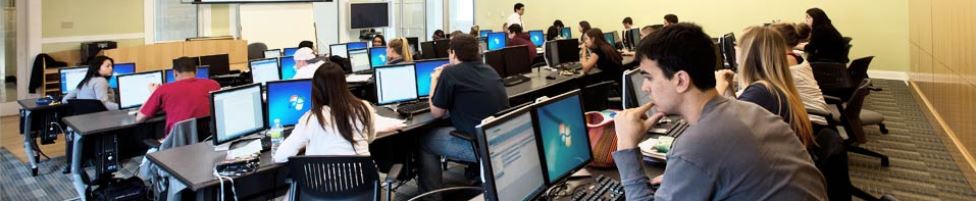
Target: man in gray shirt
(733, 150)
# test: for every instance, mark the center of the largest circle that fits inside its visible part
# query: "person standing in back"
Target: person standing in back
(626, 34)
(187, 97)
(517, 11)
(306, 63)
(517, 38)
(95, 85)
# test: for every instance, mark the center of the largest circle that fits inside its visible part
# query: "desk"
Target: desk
(94, 125)
(28, 109)
(197, 172)
(651, 170)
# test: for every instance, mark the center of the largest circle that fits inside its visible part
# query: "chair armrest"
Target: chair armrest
(463, 135)
(819, 113)
(152, 143)
(832, 100)
(393, 173)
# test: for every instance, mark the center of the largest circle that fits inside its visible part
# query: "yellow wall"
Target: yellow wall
(220, 20)
(878, 27)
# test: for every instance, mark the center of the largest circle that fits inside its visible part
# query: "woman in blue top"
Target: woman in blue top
(95, 85)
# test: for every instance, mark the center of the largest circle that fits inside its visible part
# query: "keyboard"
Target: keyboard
(677, 128)
(514, 80)
(604, 189)
(364, 72)
(413, 108)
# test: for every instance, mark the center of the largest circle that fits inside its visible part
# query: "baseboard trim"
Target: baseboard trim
(9, 108)
(889, 75)
(944, 129)
(78, 39)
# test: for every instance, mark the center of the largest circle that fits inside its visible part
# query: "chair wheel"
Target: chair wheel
(883, 129)
(34, 172)
(888, 197)
(885, 161)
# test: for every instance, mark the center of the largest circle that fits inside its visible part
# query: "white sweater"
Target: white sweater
(310, 135)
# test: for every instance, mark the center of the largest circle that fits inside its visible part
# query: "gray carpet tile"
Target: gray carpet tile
(49, 184)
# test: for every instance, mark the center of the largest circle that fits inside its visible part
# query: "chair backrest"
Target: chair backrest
(833, 79)
(334, 177)
(256, 50)
(831, 158)
(854, 108)
(596, 96)
(858, 69)
(186, 132)
(84, 106)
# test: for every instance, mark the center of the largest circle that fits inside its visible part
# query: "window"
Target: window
(462, 15)
(174, 20)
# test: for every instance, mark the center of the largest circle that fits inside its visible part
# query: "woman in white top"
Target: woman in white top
(338, 123)
(94, 85)
(807, 86)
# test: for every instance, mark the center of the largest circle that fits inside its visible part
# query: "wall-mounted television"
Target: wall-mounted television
(249, 1)
(369, 15)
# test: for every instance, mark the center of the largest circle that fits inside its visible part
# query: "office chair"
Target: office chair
(186, 132)
(833, 79)
(337, 178)
(78, 107)
(858, 69)
(256, 50)
(850, 116)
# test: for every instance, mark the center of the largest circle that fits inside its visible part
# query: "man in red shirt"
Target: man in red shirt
(187, 97)
(517, 38)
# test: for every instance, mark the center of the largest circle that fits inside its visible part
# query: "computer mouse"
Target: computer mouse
(551, 77)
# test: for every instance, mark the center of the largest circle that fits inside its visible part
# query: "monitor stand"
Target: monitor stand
(238, 143)
(583, 173)
(514, 80)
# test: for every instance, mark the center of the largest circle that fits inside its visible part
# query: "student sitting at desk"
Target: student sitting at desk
(763, 70)
(338, 123)
(438, 35)
(378, 41)
(187, 97)
(94, 85)
(306, 63)
(469, 91)
(803, 76)
(398, 51)
(517, 38)
(732, 150)
(600, 54)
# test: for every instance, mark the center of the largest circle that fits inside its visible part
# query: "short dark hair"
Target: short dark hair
(517, 7)
(515, 28)
(627, 20)
(558, 23)
(671, 18)
(185, 64)
(465, 47)
(306, 43)
(682, 47)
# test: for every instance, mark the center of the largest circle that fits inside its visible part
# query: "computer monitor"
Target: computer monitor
(359, 60)
(441, 48)
(566, 33)
(338, 50)
(484, 33)
(219, 64)
(287, 101)
(203, 72)
(378, 56)
(496, 40)
(120, 69)
(413, 43)
(517, 61)
(264, 70)
(562, 51)
(286, 67)
(289, 51)
(427, 50)
(134, 88)
(510, 159)
(635, 37)
(611, 37)
(423, 70)
(496, 59)
(633, 96)
(236, 112)
(395, 83)
(273, 53)
(71, 76)
(537, 37)
(355, 45)
(728, 48)
(562, 132)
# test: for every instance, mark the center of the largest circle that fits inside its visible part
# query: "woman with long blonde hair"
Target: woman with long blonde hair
(765, 73)
(398, 51)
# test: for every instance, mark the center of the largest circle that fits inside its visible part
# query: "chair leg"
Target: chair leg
(883, 129)
(863, 151)
(859, 193)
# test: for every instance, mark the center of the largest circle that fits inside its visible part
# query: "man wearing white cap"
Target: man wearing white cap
(306, 63)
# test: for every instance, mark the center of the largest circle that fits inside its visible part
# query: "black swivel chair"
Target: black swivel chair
(79, 107)
(849, 115)
(338, 178)
(256, 50)
(858, 69)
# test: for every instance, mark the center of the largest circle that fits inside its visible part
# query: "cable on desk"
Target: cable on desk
(221, 182)
(445, 189)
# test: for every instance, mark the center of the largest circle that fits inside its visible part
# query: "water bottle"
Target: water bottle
(276, 135)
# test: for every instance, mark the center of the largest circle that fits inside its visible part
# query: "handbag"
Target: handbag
(603, 138)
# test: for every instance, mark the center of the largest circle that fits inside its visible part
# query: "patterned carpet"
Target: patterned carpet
(921, 168)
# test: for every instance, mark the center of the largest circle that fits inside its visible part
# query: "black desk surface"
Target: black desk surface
(31, 104)
(193, 164)
(99, 122)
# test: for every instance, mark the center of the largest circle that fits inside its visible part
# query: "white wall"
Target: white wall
(277, 25)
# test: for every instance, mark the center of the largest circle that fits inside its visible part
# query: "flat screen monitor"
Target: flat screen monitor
(289, 51)
(537, 37)
(203, 72)
(441, 48)
(287, 101)
(423, 70)
(633, 96)
(359, 60)
(562, 132)
(264, 70)
(273, 53)
(562, 51)
(378, 56)
(134, 88)
(338, 50)
(395, 83)
(427, 50)
(413, 43)
(484, 33)
(236, 112)
(728, 48)
(517, 60)
(369, 15)
(71, 76)
(635, 37)
(355, 45)
(509, 150)
(219, 64)
(496, 59)
(496, 40)
(566, 33)
(287, 67)
(610, 37)
(120, 69)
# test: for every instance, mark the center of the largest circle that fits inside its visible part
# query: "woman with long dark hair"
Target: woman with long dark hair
(596, 52)
(826, 43)
(95, 85)
(337, 124)
(378, 41)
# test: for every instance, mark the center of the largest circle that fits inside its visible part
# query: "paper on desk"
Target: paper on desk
(387, 124)
(253, 147)
(358, 78)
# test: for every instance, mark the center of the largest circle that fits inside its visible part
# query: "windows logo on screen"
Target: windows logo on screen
(565, 135)
(296, 102)
(382, 58)
(496, 41)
